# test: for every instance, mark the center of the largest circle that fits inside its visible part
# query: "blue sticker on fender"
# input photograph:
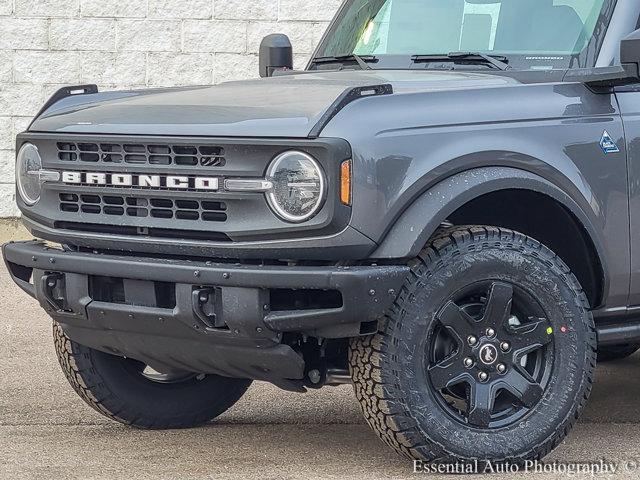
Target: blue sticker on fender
(607, 144)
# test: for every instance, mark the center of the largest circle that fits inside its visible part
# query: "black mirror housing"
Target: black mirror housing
(276, 53)
(630, 53)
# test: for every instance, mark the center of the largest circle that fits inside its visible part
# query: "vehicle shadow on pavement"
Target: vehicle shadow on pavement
(615, 398)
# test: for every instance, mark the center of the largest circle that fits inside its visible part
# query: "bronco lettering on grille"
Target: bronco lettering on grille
(142, 181)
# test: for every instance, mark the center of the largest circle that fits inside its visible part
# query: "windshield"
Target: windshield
(532, 34)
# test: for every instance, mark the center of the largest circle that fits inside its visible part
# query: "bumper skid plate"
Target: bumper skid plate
(205, 317)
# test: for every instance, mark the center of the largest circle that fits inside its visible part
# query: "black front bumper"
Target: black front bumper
(235, 333)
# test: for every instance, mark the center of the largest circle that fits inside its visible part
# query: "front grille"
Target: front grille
(142, 154)
(147, 212)
(125, 188)
(142, 207)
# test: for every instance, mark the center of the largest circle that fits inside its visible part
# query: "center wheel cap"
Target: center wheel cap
(488, 354)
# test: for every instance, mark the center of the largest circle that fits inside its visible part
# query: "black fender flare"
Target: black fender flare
(413, 228)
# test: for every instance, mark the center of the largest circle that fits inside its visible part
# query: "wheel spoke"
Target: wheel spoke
(448, 372)
(530, 336)
(522, 386)
(481, 399)
(498, 307)
(456, 320)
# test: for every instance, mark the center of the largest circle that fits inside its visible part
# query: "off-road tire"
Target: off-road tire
(617, 352)
(107, 385)
(384, 367)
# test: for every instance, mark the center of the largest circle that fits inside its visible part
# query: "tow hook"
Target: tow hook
(205, 302)
(53, 289)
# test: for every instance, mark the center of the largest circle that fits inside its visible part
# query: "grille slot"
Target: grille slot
(142, 154)
(143, 232)
(162, 208)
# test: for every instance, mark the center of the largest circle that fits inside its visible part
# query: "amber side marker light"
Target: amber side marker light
(345, 182)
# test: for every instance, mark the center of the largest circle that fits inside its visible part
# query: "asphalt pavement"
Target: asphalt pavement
(47, 432)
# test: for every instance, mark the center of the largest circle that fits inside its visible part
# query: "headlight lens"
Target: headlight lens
(28, 168)
(298, 186)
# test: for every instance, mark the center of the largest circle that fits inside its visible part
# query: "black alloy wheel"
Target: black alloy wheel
(490, 357)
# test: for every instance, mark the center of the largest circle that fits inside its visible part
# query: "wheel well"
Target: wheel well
(548, 221)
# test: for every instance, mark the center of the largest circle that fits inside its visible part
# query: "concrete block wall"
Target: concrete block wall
(122, 44)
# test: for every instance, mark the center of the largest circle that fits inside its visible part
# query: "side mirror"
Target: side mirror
(276, 53)
(630, 54)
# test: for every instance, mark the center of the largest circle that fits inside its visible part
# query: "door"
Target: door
(629, 102)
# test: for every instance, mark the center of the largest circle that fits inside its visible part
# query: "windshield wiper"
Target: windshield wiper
(361, 60)
(497, 61)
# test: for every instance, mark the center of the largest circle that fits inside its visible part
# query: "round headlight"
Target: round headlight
(28, 167)
(298, 186)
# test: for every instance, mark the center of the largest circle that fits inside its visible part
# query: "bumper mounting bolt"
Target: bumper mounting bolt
(196, 273)
(52, 260)
(259, 329)
(225, 275)
(34, 258)
(372, 293)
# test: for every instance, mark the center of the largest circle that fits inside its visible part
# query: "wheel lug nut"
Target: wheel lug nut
(483, 376)
(504, 346)
(491, 332)
(468, 362)
(501, 368)
(472, 340)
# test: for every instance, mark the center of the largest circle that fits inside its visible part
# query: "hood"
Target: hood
(286, 106)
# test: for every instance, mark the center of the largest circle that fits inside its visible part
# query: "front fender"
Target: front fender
(421, 219)
(406, 144)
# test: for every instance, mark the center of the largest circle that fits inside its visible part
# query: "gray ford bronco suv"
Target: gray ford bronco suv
(443, 208)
